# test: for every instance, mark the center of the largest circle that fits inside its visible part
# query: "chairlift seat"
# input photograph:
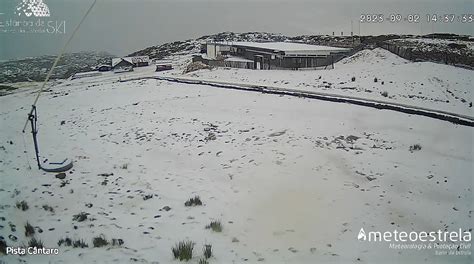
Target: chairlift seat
(55, 166)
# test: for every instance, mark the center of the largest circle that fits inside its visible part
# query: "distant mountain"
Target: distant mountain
(36, 68)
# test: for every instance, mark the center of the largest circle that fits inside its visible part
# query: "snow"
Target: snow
(292, 179)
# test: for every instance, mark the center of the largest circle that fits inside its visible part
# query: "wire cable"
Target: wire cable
(59, 57)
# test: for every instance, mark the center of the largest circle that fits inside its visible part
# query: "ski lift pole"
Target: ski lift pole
(33, 118)
(57, 60)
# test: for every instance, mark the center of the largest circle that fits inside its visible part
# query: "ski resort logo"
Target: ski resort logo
(31, 17)
(35, 8)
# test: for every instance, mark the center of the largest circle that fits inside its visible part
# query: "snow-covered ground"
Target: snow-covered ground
(426, 84)
(292, 180)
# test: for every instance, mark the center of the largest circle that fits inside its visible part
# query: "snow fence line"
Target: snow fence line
(378, 104)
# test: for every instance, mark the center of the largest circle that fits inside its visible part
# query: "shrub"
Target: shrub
(415, 147)
(183, 250)
(203, 261)
(3, 247)
(216, 226)
(66, 241)
(79, 244)
(48, 208)
(80, 217)
(353, 79)
(207, 251)
(23, 205)
(193, 201)
(117, 242)
(99, 241)
(29, 230)
(375, 79)
(384, 94)
(35, 243)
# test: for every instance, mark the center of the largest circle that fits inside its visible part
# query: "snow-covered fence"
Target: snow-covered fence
(412, 54)
(353, 51)
(401, 51)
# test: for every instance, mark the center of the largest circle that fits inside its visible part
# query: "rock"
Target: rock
(293, 250)
(63, 122)
(166, 208)
(277, 134)
(61, 176)
(235, 240)
(370, 178)
(147, 197)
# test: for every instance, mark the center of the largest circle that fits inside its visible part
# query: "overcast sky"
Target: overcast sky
(124, 26)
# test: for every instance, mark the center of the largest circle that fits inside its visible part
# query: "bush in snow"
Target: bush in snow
(99, 241)
(203, 261)
(48, 208)
(353, 79)
(415, 147)
(193, 201)
(35, 243)
(79, 243)
(116, 242)
(68, 242)
(80, 217)
(216, 226)
(65, 241)
(375, 79)
(3, 247)
(207, 251)
(183, 250)
(384, 94)
(23, 205)
(29, 230)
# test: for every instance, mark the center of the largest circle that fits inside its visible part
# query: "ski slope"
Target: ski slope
(292, 180)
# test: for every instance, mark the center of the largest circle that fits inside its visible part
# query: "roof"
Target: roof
(288, 48)
(116, 61)
(132, 60)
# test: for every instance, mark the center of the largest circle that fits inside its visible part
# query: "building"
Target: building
(125, 62)
(104, 68)
(163, 66)
(271, 55)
